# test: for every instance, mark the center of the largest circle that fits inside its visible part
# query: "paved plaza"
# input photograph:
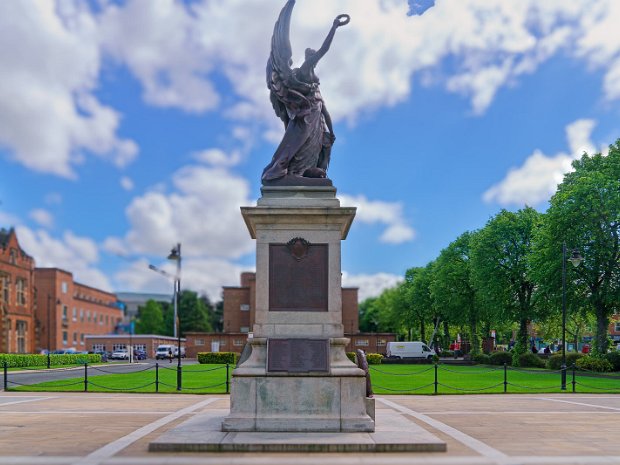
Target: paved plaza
(116, 429)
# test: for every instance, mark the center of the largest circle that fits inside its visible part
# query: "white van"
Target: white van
(415, 349)
(164, 350)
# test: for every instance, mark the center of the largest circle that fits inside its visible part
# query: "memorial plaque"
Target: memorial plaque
(297, 355)
(298, 280)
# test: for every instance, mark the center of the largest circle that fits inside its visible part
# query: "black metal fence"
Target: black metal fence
(422, 381)
(88, 378)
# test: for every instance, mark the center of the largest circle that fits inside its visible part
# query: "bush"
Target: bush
(555, 361)
(482, 358)
(351, 356)
(446, 353)
(531, 361)
(614, 359)
(374, 359)
(499, 358)
(218, 357)
(594, 364)
(37, 360)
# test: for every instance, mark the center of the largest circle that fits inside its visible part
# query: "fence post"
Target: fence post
(179, 377)
(227, 382)
(86, 377)
(436, 382)
(574, 382)
(156, 376)
(6, 375)
(505, 378)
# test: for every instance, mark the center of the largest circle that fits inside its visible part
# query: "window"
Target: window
(64, 287)
(107, 320)
(64, 312)
(21, 336)
(238, 342)
(244, 329)
(88, 315)
(381, 342)
(141, 347)
(244, 307)
(94, 317)
(100, 319)
(81, 315)
(65, 338)
(20, 287)
(4, 286)
(82, 339)
(617, 330)
(74, 314)
(222, 342)
(13, 256)
(98, 347)
(361, 342)
(74, 338)
(200, 342)
(116, 347)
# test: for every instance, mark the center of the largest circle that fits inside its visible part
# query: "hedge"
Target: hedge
(614, 359)
(555, 361)
(594, 364)
(36, 360)
(218, 357)
(530, 360)
(499, 358)
(372, 359)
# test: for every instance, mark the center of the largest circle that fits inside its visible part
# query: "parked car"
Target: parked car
(120, 355)
(139, 355)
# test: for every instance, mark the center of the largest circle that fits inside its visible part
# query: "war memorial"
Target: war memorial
(294, 389)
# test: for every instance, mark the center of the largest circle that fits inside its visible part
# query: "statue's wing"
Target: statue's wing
(279, 62)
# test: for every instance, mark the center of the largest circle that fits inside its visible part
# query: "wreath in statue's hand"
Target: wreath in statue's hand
(342, 20)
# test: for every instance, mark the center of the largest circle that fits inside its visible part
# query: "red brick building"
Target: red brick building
(614, 329)
(67, 311)
(113, 342)
(239, 316)
(17, 296)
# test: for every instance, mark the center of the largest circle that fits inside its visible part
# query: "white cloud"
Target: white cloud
(127, 183)
(42, 217)
(202, 213)
(537, 179)
(217, 158)
(78, 255)
(379, 212)
(50, 65)
(370, 285)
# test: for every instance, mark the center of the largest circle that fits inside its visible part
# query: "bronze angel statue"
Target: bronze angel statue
(294, 92)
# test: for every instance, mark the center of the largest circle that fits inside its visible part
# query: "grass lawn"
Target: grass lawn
(480, 379)
(386, 379)
(197, 379)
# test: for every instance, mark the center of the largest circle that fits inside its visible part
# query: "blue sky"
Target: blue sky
(128, 126)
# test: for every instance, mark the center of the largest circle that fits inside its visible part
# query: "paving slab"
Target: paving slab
(202, 433)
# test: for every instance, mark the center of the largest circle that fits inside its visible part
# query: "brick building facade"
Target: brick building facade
(17, 296)
(239, 305)
(146, 342)
(67, 311)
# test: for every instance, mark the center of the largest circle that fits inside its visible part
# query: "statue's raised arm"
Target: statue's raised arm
(294, 93)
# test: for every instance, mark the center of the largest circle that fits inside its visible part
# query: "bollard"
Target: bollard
(86, 377)
(6, 375)
(179, 377)
(227, 382)
(574, 382)
(505, 379)
(436, 382)
(156, 376)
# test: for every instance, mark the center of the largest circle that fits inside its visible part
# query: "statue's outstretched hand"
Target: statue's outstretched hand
(342, 20)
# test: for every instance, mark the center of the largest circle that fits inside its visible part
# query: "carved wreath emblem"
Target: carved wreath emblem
(298, 248)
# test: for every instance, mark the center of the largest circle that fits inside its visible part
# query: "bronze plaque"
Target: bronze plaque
(297, 355)
(298, 278)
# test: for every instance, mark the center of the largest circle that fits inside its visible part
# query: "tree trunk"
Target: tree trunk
(602, 325)
(522, 336)
(446, 334)
(475, 343)
(422, 330)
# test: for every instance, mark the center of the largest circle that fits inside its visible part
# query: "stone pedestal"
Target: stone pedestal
(298, 231)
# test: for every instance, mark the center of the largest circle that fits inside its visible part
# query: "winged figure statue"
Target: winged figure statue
(305, 149)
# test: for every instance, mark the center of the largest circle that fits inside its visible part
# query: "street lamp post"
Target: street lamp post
(49, 329)
(175, 255)
(575, 259)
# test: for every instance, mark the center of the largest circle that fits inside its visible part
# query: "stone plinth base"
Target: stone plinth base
(298, 404)
(202, 433)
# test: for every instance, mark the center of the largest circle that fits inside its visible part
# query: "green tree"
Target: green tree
(453, 290)
(150, 319)
(584, 213)
(417, 300)
(500, 269)
(193, 313)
